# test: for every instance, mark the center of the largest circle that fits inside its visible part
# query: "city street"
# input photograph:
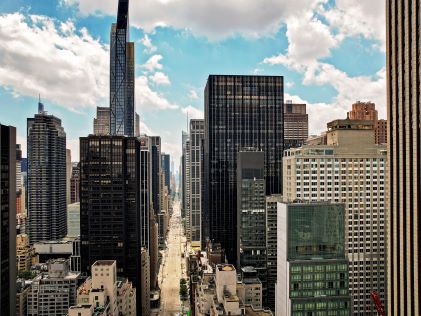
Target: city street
(171, 269)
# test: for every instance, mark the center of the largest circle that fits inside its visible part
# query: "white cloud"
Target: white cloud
(147, 99)
(160, 78)
(192, 112)
(153, 63)
(215, 19)
(39, 55)
(193, 95)
(356, 17)
(149, 47)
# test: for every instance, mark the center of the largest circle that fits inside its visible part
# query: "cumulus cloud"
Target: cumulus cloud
(149, 47)
(193, 112)
(153, 63)
(67, 66)
(147, 99)
(193, 95)
(160, 78)
(215, 19)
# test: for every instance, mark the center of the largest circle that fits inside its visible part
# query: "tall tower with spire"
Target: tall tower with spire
(122, 71)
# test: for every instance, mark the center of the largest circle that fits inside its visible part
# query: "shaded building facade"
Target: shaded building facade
(404, 148)
(47, 208)
(110, 214)
(295, 124)
(251, 215)
(240, 112)
(156, 172)
(7, 219)
(102, 121)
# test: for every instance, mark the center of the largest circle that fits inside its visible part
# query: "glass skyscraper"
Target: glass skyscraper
(240, 112)
(312, 267)
(122, 71)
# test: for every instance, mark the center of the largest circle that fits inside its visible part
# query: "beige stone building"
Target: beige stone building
(103, 294)
(145, 286)
(25, 254)
(350, 168)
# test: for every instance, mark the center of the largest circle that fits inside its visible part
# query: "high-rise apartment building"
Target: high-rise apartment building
(19, 183)
(350, 169)
(197, 133)
(74, 183)
(102, 121)
(295, 125)
(366, 111)
(271, 247)
(122, 71)
(251, 214)
(240, 112)
(187, 190)
(312, 266)
(73, 220)
(156, 172)
(53, 292)
(184, 139)
(404, 144)
(7, 219)
(47, 210)
(110, 213)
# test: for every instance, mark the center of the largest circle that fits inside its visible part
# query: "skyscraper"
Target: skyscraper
(404, 137)
(295, 124)
(74, 183)
(240, 112)
(251, 215)
(197, 132)
(102, 121)
(145, 188)
(122, 81)
(68, 175)
(165, 163)
(110, 213)
(7, 220)
(47, 209)
(184, 139)
(351, 169)
(156, 172)
(312, 266)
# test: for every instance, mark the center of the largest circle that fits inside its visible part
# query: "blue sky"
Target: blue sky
(330, 52)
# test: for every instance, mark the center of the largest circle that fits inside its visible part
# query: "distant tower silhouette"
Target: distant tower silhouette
(40, 105)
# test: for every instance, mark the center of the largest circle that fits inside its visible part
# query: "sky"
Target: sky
(331, 54)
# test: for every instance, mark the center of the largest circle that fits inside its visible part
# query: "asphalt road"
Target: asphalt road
(171, 269)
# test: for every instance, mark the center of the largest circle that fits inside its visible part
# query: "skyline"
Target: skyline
(173, 62)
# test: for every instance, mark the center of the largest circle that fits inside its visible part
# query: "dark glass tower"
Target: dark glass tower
(145, 188)
(240, 112)
(7, 220)
(110, 214)
(165, 163)
(122, 72)
(47, 208)
(156, 173)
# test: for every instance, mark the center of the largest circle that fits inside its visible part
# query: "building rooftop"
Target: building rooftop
(104, 263)
(225, 267)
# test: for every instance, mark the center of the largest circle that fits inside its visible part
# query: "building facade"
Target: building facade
(367, 111)
(271, 247)
(312, 267)
(295, 124)
(404, 137)
(156, 173)
(46, 142)
(53, 292)
(122, 79)
(73, 220)
(251, 215)
(351, 169)
(197, 134)
(74, 183)
(110, 214)
(166, 163)
(145, 188)
(102, 121)
(7, 219)
(240, 112)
